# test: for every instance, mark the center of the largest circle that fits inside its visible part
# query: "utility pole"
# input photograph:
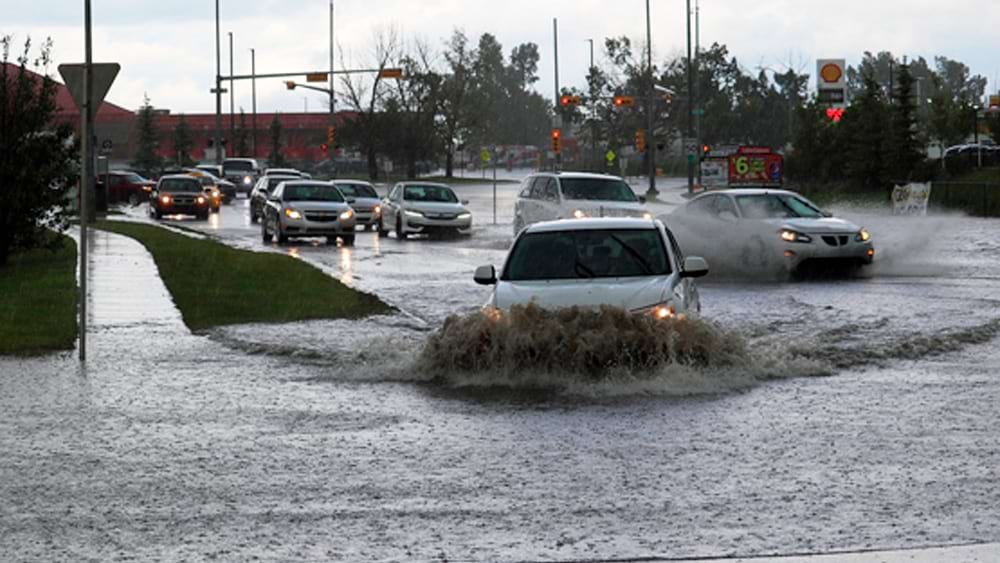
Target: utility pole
(232, 93)
(217, 141)
(87, 182)
(333, 99)
(253, 89)
(593, 121)
(690, 89)
(558, 120)
(651, 144)
(697, 85)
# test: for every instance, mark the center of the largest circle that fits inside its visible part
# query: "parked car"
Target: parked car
(304, 208)
(125, 186)
(423, 208)
(179, 195)
(363, 199)
(769, 231)
(553, 196)
(634, 264)
(241, 171)
(227, 188)
(261, 190)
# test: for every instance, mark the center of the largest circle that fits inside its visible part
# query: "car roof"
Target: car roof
(749, 191)
(303, 182)
(580, 175)
(362, 182)
(593, 224)
(185, 176)
(419, 183)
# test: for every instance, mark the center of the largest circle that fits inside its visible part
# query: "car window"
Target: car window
(538, 187)
(273, 182)
(526, 187)
(437, 194)
(356, 190)
(724, 204)
(306, 192)
(588, 254)
(115, 180)
(238, 165)
(703, 205)
(676, 250)
(135, 179)
(551, 192)
(180, 185)
(776, 206)
(597, 189)
(394, 194)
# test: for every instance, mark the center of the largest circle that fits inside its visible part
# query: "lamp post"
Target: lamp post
(690, 89)
(217, 139)
(593, 121)
(651, 145)
(333, 99)
(253, 90)
(232, 93)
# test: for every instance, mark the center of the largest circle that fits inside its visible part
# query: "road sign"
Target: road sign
(390, 73)
(317, 77)
(691, 147)
(102, 77)
(485, 156)
(610, 156)
(106, 146)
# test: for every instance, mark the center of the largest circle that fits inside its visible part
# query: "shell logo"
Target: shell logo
(831, 73)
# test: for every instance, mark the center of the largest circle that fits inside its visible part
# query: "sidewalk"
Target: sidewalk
(983, 553)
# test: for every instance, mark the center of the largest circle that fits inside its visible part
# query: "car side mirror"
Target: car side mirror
(486, 275)
(695, 267)
(274, 199)
(465, 202)
(826, 213)
(642, 199)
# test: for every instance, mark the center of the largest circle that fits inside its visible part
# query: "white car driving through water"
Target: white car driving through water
(575, 195)
(423, 208)
(769, 231)
(633, 264)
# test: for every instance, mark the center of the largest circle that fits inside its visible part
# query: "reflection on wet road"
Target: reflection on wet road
(319, 441)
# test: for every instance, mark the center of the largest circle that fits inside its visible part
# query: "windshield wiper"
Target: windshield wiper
(634, 254)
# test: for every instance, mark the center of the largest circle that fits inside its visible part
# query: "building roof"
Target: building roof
(67, 109)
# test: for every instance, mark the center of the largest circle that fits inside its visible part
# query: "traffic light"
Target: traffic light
(556, 138)
(331, 135)
(835, 114)
(640, 140)
(290, 84)
(324, 147)
(624, 101)
(567, 101)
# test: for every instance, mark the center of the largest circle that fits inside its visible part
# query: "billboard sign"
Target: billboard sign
(831, 82)
(756, 169)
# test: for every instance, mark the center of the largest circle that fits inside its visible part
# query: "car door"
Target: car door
(390, 207)
(534, 205)
(685, 293)
(523, 199)
(551, 202)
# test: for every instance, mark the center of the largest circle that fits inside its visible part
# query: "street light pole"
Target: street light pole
(232, 93)
(558, 120)
(651, 145)
(217, 141)
(697, 87)
(690, 89)
(593, 122)
(253, 90)
(333, 99)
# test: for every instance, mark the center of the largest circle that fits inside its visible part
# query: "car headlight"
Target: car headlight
(579, 214)
(377, 210)
(661, 311)
(346, 215)
(247, 179)
(415, 214)
(165, 199)
(292, 214)
(465, 216)
(863, 236)
(788, 235)
(200, 200)
(647, 216)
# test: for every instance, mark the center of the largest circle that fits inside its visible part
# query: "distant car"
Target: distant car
(769, 231)
(261, 190)
(423, 208)
(213, 169)
(633, 264)
(554, 196)
(125, 186)
(179, 195)
(304, 208)
(241, 171)
(286, 172)
(363, 199)
(227, 188)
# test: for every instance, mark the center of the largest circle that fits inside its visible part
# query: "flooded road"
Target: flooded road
(321, 441)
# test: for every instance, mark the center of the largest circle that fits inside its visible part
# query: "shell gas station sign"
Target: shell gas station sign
(831, 82)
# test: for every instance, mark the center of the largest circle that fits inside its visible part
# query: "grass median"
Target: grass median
(38, 298)
(215, 285)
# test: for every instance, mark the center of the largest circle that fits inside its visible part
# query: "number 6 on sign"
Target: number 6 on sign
(742, 165)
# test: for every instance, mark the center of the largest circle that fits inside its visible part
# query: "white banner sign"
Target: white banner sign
(911, 199)
(715, 173)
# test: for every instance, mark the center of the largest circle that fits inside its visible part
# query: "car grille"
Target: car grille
(441, 216)
(322, 216)
(838, 240)
(183, 200)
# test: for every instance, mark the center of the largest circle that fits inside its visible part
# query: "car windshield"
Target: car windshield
(588, 254)
(597, 189)
(177, 185)
(300, 192)
(438, 194)
(776, 206)
(238, 166)
(357, 190)
(273, 182)
(135, 179)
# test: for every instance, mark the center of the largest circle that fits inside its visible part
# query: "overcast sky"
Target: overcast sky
(167, 47)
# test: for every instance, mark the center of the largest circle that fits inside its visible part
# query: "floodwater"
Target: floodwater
(867, 422)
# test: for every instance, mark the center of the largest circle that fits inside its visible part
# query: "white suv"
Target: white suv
(575, 195)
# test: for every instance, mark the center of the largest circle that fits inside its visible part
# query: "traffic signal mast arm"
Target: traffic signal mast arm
(291, 85)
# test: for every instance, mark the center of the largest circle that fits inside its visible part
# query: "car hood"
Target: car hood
(318, 205)
(364, 202)
(608, 208)
(627, 293)
(434, 207)
(825, 225)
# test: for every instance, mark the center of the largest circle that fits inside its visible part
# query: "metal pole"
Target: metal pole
(86, 183)
(593, 121)
(651, 144)
(218, 89)
(697, 84)
(591, 41)
(232, 93)
(975, 130)
(253, 87)
(690, 89)
(333, 99)
(495, 158)
(558, 120)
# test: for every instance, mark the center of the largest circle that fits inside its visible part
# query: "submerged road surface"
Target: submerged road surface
(322, 441)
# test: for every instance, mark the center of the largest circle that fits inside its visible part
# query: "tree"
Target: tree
(37, 157)
(183, 143)
(147, 158)
(903, 150)
(865, 124)
(275, 159)
(242, 144)
(454, 99)
(411, 106)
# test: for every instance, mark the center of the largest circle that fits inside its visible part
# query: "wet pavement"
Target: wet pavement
(322, 441)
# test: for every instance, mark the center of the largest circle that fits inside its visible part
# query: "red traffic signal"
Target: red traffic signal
(556, 138)
(835, 114)
(569, 100)
(624, 101)
(324, 147)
